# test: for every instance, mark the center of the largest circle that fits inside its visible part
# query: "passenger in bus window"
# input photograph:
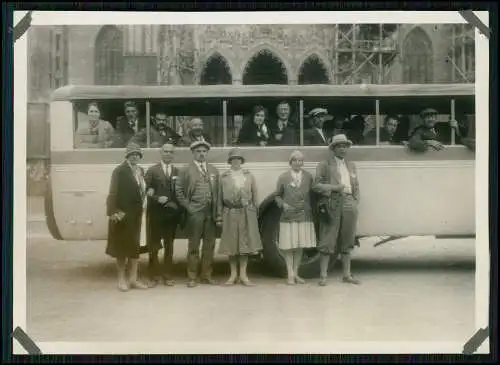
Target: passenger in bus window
(426, 136)
(296, 232)
(353, 127)
(337, 183)
(283, 130)
(125, 204)
(255, 130)
(163, 215)
(316, 136)
(196, 190)
(159, 132)
(387, 132)
(127, 126)
(240, 229)
(97, 133)
(196, 133)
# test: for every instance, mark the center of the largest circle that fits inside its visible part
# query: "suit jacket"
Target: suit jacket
(124, 193)
(123, 132)
(298, 197)
(289, 135)
(162, 185)
(186, 140)
(313, 138)
(327, 173)
(186, 183)
(157, 138)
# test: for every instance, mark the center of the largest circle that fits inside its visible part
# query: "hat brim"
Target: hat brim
(134, 153)
(233, 157)
(200, 144)
(332, 145)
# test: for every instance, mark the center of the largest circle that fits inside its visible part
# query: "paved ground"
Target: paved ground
(414, 289)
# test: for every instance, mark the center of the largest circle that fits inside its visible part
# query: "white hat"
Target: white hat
(339, 139)
(317, 111)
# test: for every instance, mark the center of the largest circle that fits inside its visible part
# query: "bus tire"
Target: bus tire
(50, 218)
(273, 260)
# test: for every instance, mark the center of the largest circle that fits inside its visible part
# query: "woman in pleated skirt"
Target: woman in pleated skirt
(296, 231)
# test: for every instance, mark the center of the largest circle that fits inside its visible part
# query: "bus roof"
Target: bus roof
(135, 92)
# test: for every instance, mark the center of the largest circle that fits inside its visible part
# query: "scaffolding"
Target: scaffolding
(461, 53)
(364, 53)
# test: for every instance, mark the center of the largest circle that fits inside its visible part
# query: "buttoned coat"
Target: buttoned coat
(331, 205)
(125, 196)
(240, 228)
(186, 183)
(298, 197)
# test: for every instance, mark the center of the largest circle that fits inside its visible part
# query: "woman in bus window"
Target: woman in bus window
(255, 130)
(240, 231)
(296, 230)
(96, 133)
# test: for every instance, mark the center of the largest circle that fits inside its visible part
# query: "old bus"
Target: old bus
(403, 193)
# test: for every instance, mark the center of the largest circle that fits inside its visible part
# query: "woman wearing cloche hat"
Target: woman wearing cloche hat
(240, 231)
(125, 204)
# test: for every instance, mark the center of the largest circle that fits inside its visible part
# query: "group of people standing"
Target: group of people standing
(203, 201)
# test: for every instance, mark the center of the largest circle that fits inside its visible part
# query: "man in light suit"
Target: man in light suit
(196, 190)
(163, 215)
(337, 183)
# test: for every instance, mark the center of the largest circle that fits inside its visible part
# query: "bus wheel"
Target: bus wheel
(50, 218)
(273, 259)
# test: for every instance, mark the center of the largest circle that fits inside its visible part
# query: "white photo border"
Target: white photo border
(482, 283)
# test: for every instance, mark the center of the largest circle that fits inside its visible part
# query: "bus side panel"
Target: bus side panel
(417, 198)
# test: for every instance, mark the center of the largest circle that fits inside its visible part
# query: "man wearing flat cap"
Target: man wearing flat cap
(337, 184)
(316, 136)
(196, 190)
(429, 135)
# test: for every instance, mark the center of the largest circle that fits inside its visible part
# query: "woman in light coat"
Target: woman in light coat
(296, 232)
(240, 231)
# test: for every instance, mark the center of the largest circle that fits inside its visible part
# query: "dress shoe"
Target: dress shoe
(209, 281)
(192, 284)
(138, 285)
(299, 280)
(168, 282)
(322, 281)
(350, 280)
(246, 282)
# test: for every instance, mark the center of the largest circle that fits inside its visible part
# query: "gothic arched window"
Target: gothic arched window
(417, 59)
(109, 56)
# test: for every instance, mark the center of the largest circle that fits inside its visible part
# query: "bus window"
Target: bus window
(353, 117)
(107, 124)
(182, 121)
(263, 122)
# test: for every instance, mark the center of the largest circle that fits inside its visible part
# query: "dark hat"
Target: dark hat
(235, 153)
(133, 148)
(197, 144)
(428, 111)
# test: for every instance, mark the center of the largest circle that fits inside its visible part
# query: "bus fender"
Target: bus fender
(50, 218)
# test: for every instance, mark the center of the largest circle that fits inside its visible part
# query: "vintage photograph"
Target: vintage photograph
(239, 184)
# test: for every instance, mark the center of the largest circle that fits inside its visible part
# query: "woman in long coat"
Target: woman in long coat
(125, 204)
(240, 231)
(293, 196)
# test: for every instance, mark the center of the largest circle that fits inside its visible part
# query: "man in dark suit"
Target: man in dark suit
(316, 136)
(163, 214)
(127, 126)
(159, 133)
(196, 190)
(283, 130)
(196, 133)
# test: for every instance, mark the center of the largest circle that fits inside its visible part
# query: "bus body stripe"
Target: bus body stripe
(267, 155)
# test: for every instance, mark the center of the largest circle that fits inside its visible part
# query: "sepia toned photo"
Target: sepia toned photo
(254, 188)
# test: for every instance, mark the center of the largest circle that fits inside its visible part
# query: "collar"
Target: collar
(340, 161)
(282, 124)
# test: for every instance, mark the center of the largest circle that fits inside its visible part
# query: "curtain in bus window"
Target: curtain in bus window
(417, 60)
(109, 56)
